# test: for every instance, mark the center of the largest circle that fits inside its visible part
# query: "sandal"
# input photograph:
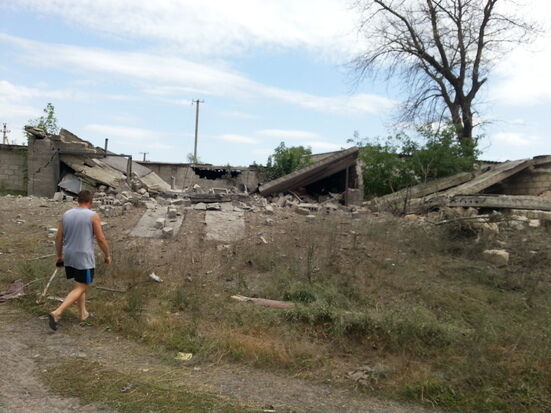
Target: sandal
(52, 322)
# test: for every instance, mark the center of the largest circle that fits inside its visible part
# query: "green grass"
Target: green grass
(93, 382)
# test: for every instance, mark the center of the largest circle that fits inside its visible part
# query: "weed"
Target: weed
(93, 382)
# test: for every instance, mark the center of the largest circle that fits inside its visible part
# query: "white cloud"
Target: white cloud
(214, 27)
(287, 134)
(174, 74)
(128, 134)
(237, 139)
(515, 139)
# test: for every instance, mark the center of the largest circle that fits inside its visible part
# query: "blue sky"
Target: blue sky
(268, 71)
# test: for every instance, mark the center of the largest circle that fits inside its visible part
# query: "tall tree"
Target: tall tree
(442, 51)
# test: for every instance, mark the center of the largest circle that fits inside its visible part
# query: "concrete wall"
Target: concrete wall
(532, 181)
(187, 177)
(43, 167)
(13, 167)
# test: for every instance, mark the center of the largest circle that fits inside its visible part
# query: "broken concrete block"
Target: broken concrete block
(160, 223)
(142, 191)
(172, 212)
(214, 207)
(269, 209)
(310, 207)
(497, 257)
(302, 211)
(127, 206)
(58, 197)
(168, 232)
(534, 223)
(200, 206)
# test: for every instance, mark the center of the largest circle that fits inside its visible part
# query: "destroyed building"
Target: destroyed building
(336, 173)
(523, 184)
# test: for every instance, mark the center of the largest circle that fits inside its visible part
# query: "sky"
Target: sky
(266, 71)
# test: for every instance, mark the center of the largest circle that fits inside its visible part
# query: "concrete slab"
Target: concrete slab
(225, 226)
(146, 227)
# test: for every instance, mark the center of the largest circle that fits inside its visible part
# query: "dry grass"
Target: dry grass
(417, 302)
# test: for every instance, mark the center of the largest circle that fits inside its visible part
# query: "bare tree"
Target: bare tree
(442, 50)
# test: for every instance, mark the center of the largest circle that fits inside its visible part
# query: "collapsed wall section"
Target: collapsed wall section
(206, 176)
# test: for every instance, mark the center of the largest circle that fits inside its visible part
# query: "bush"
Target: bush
(286, 160)
(401, 161)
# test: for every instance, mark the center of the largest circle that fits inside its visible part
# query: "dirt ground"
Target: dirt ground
(28, 348)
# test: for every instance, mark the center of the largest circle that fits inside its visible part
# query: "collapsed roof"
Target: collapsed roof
(329, 165)
(518, 184)
(81, 164)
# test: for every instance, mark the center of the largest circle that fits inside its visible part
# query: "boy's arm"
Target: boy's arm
(100, 238)
(59, 243)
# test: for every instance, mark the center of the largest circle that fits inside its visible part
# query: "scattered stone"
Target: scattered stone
(302, 211)
(497, 257)
(127, 206)
(214, 207)
(269, 222)
(411, 217)
(172, 212)
(168, 232)
(142, 191)
(160, 223)
(269, 209)
(534, 223)
(58, 197)
(310, 207)
(200, 206)
(310, 217)
(155, 277)
(222, 247)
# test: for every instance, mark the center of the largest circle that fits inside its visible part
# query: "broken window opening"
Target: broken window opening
(207, 173)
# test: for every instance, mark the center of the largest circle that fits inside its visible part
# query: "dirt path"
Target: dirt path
(27, 346)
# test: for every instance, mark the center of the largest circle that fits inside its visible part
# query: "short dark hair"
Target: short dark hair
(85, 196)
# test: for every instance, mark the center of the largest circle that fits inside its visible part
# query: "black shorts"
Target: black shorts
(81, 276)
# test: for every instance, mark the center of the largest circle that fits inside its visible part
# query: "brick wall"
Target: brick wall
(532, 181)
(13, 167)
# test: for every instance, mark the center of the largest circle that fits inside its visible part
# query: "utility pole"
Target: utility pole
(5, 132)
(144, 153)
(196, 103)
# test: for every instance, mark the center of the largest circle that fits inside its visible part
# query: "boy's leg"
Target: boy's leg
(82, 307)
(73, 296)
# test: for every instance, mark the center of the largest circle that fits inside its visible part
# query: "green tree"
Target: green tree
(285, 160)
(48, 121)
(401, 161)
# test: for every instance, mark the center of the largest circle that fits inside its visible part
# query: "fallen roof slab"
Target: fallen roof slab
(496, 174)
(93, 169)
(501, 201)
(424, 189)
(312, 173)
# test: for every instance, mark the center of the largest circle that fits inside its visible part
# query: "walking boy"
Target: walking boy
(75, 249)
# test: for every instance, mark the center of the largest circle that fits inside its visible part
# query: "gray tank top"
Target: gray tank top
(78, 239)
